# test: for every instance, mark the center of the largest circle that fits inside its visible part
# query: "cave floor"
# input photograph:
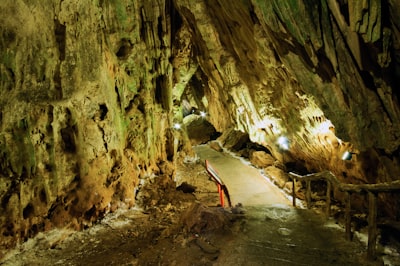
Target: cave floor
(262, 230)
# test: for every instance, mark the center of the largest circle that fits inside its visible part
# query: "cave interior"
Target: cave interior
(101, 98)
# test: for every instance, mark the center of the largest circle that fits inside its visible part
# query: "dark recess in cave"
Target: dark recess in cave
(103, 111)
(57, 83)
(28, 211)
(43, 196)
(344, 9)
(197, 84)
(143, 25)
(124, 49)
(325, 69)
(296, 167)
(176, 20)
(68, 137)
(368, 80)
(253, 16)
(215, 135)
(7, 35)
(60, 33)
(159, 91)
(160, 30)
(90, 213)
(117, 93)
(14, 188)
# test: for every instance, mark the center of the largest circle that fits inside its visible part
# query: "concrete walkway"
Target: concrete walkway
(274, 232)
(245, 183)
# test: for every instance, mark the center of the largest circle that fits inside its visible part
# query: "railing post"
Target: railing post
(348, 215)
(221, 195)
(328, 198)
(308, 194)
(372, 234)
(294, 192)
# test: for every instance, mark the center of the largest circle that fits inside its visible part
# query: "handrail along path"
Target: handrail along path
(372, 189)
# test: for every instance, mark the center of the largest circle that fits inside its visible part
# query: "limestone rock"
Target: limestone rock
(198, 129)
(215, 145)
(199, 219)
(261, 159)
(90, 90)
(233, 139)
(278, 176)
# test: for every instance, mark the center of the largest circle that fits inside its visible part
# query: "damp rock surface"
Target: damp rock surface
(196, 231)
(90, 92)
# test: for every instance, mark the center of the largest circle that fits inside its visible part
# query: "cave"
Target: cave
(112, 113)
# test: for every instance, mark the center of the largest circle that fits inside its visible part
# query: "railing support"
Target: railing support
(348, 215)
(294, 192)
(372, 189)
(308, 194)
(221, 195)
(328, 198)
(222, 189)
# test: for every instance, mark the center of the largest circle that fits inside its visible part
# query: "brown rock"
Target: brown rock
(198, 129)
(216, 146)
(199, 218)
(278, 176)
(261, 159)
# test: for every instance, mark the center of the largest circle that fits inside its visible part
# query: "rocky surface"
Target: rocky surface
(90, 91)
(191, 229)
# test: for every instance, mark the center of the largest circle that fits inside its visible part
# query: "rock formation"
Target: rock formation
(90, 91)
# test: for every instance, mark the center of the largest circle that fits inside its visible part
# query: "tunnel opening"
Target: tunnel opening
(199, 129)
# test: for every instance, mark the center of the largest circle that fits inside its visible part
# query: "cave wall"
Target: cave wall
(84, 109)
(322, 74)
(90, 91)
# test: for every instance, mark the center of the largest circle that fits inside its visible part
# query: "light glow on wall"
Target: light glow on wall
(347, 156)
(283, 143)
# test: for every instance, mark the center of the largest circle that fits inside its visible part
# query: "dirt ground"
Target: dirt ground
(185, 225)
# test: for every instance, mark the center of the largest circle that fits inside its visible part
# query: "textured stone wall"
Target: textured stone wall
(85, 97)
(90, 90)
(321, 74)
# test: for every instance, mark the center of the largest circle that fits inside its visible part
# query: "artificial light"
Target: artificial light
(283, 143)
(347, 156)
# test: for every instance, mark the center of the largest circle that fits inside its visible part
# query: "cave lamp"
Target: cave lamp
(283, 143)
(347, 156)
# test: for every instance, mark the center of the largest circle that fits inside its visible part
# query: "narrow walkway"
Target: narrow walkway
(245, 183)
(274, 232)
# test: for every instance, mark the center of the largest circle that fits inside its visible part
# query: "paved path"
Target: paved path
(275, 233)
(245, 183)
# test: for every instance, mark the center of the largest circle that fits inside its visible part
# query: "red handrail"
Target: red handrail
(222, 189)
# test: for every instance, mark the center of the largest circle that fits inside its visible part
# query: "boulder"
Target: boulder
(216, 146)
(199, 218)
(261, 159)
(199, 130)
(278, 176)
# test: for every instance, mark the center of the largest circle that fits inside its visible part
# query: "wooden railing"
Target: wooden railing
(372, 189)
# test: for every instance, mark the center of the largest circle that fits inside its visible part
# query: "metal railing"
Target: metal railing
(222, 189)
(372, 189)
